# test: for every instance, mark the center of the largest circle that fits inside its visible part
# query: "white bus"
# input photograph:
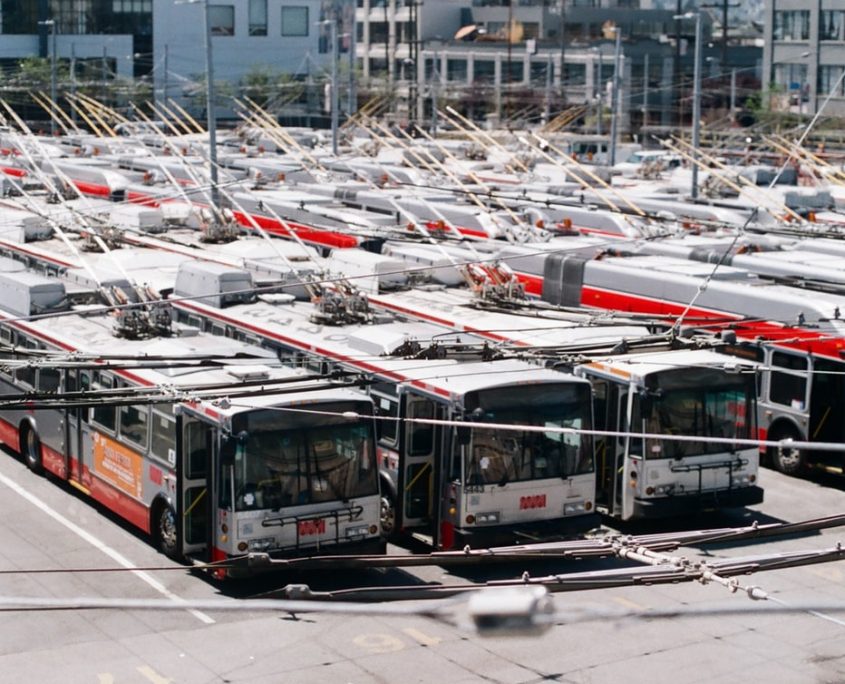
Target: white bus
(289, 471)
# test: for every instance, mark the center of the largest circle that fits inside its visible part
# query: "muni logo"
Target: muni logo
(309, 528)
(534, 501)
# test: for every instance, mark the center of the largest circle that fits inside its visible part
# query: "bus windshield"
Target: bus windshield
(286, 458)
(713, 408)
(497, 456)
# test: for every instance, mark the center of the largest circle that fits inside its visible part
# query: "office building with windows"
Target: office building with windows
(804, 55)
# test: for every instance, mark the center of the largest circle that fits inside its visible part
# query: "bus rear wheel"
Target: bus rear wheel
(786, 458)
(166, 532)
(31, 448)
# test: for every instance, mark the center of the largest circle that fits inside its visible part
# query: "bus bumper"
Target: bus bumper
(696, 503)
(250, 565)
(527, 533)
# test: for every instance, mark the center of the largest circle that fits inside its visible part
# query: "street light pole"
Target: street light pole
(696, 99)
(334, 84)
(614, 99)
(696, 106)
(209, 109)
(52, 26)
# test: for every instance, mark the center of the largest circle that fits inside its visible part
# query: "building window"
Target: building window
(831, 25)
(131, 6)
(71, 17)
(791, 76)
(792, 25)
(294, 21)
(456, 70)
(221, 19)
(829, 79)
(575, 74)
(258, 17)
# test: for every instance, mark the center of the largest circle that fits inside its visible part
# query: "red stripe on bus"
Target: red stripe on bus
(327, 238)
(92, 188)
(124, 505)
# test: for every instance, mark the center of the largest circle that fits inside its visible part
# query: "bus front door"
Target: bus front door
(416, 481)
(194, 504)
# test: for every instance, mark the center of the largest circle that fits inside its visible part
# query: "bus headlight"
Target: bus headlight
(745, 480)
(261, 544)
(574, 508)
(357, 531)
(487, 518)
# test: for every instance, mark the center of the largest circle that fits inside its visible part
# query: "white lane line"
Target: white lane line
(96, 543)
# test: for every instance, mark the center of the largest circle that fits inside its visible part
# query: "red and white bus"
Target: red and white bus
(290, 470)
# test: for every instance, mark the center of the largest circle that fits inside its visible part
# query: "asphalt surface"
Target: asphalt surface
(47, 526)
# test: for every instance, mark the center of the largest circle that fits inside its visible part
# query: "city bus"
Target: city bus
(289, 470)
(697, 394)
(446, 484)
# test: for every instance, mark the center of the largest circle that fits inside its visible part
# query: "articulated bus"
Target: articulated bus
(290, 471)
(448, 484)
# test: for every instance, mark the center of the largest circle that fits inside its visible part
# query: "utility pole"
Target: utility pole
(211, 117)
(333, 35)
(696, 105)
(599, 89)
(352, 104)
(166, 84)
(73, 80)
(510, 55)
(614, 99)
(53, 95)
(562, 31)
(733, 95)
(696, 99)
(645, 90)
(547, 108)
(435, 77)
(51, 24)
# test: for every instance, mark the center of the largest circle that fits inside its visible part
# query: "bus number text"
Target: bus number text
(309, 528)
(529, 502)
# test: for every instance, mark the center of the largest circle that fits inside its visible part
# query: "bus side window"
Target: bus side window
(387, 427)
(788, 380)
(25, 374)
(104, 415)
(48, 380)
(163, 430)
(133, 425)
(6, 341)
(420, 435)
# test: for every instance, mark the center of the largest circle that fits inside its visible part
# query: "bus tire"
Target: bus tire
(387, 515)
(787, 459)
(30, 448)
(165, 530)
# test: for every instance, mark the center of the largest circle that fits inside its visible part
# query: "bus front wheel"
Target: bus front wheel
(387, 513)
(31, 448)
(786, 458)
(166, 531)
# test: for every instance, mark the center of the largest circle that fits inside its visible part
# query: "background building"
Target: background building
(804, 55)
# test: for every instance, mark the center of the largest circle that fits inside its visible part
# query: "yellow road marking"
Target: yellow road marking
(628, 603)
(379, 643)
(422, 637)
(152, 675)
